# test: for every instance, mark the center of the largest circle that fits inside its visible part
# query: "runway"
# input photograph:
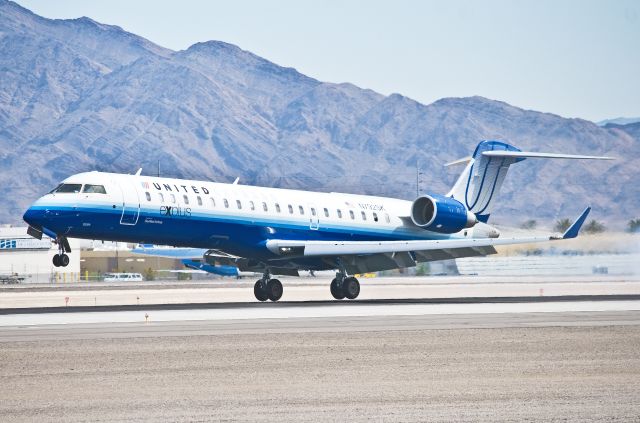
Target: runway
(480, 359)
(178, 328)
(567, 366)
(316, 309)
(214, 292)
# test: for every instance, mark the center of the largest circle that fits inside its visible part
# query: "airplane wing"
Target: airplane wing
(361, 256)
(170, 252)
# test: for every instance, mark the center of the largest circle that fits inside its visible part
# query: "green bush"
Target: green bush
(562, 225)
(150, 274)
(594, 227)
(184, 276)
(529, 224)
(633, 226)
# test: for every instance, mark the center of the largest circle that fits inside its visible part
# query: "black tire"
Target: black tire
(351, 288)
(259, 292)
(64, 260)
(56, 260)
(274, 289)
(336, 291)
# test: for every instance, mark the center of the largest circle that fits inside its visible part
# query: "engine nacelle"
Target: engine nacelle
(442, 214)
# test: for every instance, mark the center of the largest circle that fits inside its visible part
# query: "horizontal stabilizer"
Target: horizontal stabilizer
(463, 160)
(573, 230)
(529, 154)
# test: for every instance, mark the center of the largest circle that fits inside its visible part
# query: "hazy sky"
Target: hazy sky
(572, 58)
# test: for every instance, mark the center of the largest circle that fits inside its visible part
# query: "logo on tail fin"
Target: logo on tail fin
(481, 180)
(486, 177)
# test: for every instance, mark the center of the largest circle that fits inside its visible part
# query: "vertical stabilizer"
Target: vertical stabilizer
(480, 182)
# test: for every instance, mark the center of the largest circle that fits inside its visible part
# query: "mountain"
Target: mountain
(619, 121)
(632, 129)
(77, 95)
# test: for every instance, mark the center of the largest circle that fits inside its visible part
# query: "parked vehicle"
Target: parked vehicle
(11, 279)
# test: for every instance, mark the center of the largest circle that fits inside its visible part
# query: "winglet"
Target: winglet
(573, 230)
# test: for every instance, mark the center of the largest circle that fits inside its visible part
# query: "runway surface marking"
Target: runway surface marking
(313, 311)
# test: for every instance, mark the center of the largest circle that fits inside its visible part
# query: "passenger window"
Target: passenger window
(375, 217)
(326, 212)
(226, 203)
(364, 215)
(301, 209)
(386, 218)
(173, 198)
(148, 196)
(161, 197)
(278, 207)
(68, 188)
(290, 209)
(264, 206)
(94, 189)
(339, 213)
(353, 216)
(186, 199)
(313, 211)
(251, 205)
(199, 200)
(239, 204)
(213, 202)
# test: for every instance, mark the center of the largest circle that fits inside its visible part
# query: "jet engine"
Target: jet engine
(438, 213)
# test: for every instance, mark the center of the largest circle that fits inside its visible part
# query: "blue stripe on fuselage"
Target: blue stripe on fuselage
(239, 235)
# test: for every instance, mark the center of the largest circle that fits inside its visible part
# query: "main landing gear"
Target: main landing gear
(61, 259)
(267, 289)
(344, 286)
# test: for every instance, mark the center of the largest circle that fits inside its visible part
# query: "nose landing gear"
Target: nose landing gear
(61, 259)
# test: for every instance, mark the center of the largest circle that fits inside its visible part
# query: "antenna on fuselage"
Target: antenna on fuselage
(236, 181)
(139, 172)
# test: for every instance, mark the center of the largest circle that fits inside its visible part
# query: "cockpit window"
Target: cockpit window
(94, 189)
(55, 189)
(68, 188)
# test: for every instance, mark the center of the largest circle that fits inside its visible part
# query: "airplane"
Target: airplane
(280, 231)
(191, 258)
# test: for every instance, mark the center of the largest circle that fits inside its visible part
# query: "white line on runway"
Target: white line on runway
(311, 312)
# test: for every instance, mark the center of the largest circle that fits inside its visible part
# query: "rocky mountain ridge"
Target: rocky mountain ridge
(77, 95)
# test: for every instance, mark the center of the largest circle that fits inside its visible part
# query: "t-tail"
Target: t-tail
(480, 182)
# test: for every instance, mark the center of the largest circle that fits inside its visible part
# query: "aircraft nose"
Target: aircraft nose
(34, 216)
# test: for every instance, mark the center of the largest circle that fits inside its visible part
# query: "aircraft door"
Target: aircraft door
(314, 217)
(130, 202)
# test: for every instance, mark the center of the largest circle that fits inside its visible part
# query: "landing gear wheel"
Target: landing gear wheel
(274, 289)
(351, 288)
(259, 291)
(64, 260)
(336, 290)
(56, 260)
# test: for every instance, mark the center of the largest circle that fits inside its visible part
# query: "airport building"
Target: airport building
(29, 260)
(99, 261)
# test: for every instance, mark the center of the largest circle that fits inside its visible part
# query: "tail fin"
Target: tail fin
(480, 182)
